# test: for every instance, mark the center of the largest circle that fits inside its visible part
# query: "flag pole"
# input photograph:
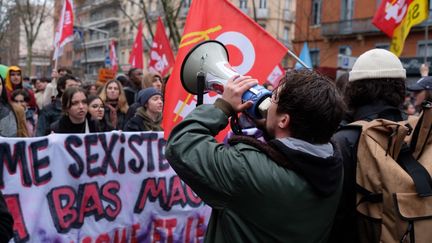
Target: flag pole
(426, 43)
(298, 59)
(56, 60)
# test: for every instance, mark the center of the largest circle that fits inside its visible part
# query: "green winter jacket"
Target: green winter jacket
(252, 197)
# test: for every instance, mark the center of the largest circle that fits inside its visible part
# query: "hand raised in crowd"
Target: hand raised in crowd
(234, 89)
(54, 74)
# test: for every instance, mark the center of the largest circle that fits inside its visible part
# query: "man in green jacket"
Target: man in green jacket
(285, 190)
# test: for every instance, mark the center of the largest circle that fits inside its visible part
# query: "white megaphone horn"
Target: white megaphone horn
(211, 58)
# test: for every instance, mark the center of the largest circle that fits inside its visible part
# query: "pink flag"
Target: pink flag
(113, 56)
(161, 54)
(136, 55)
(64, 30)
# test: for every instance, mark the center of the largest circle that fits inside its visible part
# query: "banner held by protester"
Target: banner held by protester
(106, 187)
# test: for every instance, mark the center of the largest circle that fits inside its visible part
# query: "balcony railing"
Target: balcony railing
(262, 13)
(288, 15)
(348, 27)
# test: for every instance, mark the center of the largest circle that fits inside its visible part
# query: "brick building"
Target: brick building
(338, 31)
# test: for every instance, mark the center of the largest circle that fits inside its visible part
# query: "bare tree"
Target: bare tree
(6, 11)
(170, 9)
(32, 14)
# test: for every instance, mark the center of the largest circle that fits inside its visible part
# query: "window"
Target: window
(314, 54)
(421, 48)
(243, 4)
(345, 50)
(385, 46)
(286, 34)
(263, 4)
(287, 4)
(316, 12)
(347, 9)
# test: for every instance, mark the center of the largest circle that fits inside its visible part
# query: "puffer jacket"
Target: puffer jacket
(253, 197)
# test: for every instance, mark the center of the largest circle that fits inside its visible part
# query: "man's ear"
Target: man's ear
(284, 121)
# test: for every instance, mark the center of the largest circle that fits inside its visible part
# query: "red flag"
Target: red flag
(251, 49)
(113, 56)
(136, 55)
(161, 54)
(390, 14)
(64, 29)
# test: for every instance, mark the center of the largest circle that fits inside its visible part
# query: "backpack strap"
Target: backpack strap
(368, 196)
(422, 130)
(422, 179)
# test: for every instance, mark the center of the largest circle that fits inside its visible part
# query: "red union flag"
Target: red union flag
(161, 54)
(396, 17)
(251, 49)
(390, 14)
(136, 55)
(64, 29)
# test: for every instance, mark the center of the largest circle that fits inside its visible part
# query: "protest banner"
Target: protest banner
(99, 187)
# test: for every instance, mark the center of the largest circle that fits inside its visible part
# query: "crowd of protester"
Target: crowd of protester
(63, 104)
(134, 102)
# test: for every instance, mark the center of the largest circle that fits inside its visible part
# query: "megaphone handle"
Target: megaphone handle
(200, 88)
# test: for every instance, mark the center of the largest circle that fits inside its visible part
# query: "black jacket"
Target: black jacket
(65, 125)
(346, 138)
(47, 116)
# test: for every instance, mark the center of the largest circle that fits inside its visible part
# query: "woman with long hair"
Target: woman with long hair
(74, 118)
(116, 105)
(12, 118)
(96, 109)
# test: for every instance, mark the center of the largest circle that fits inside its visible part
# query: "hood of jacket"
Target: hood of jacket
(9, 86)
(149, 123)
(320, 165)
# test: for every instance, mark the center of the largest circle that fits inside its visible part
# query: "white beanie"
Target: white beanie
(376, 64)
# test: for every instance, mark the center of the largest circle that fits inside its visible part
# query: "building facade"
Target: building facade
(338, 31)
(96, 25)
(101, 21)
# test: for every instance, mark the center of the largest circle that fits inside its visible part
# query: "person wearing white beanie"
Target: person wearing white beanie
(376, 89)
(377, 64)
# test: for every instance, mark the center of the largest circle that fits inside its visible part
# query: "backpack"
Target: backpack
(393, 180)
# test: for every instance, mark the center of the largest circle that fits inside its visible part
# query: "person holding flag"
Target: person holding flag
(286, 190)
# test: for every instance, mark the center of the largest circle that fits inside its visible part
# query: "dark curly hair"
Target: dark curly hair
(314, 104)
(369, 91)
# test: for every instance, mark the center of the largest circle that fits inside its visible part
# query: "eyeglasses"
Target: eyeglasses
(19, 101)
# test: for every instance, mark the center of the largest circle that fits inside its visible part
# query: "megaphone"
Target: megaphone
(211, 58)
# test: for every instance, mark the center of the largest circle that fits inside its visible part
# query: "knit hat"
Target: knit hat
(425, 83)
(145, 94)
(376, 64)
